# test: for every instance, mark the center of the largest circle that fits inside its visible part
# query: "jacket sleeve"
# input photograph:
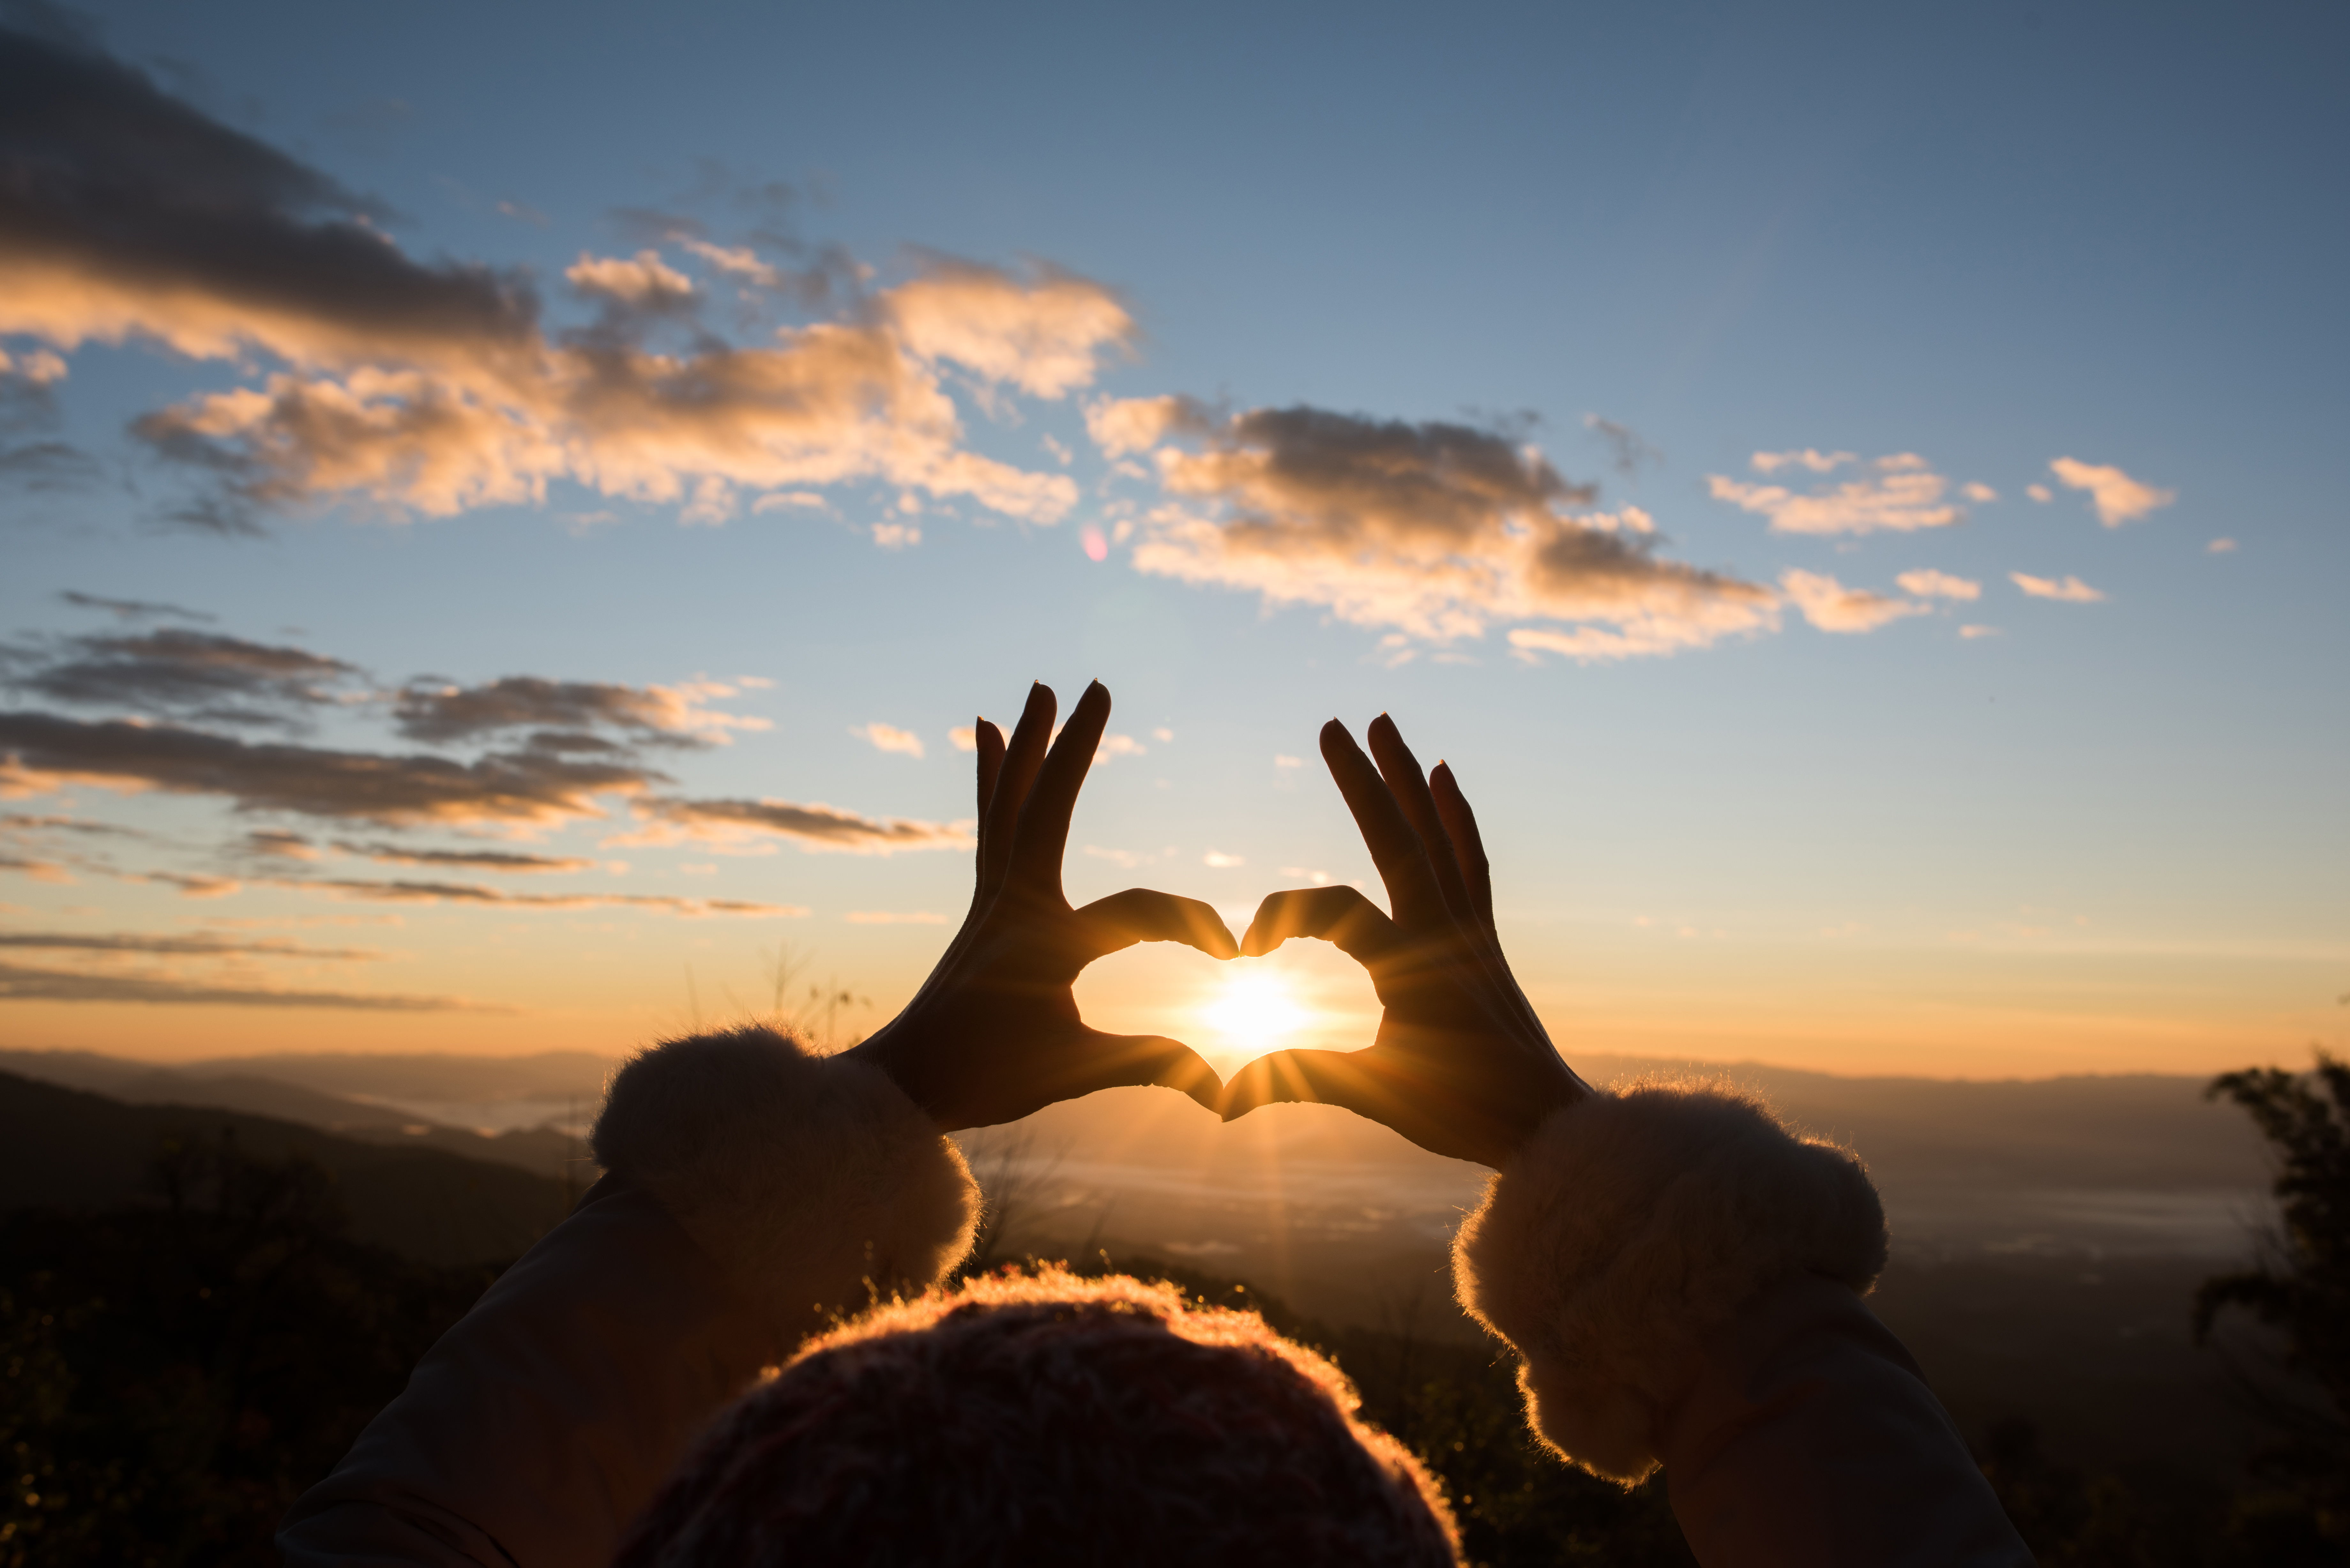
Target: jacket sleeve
(752, 1192)
(1682, 1278)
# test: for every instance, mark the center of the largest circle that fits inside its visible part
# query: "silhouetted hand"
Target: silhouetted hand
(1461, 1066)
(993, 1033)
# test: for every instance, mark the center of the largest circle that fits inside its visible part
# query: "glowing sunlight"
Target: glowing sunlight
(1257, 1013)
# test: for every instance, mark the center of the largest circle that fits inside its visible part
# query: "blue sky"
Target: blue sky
(2097, 834)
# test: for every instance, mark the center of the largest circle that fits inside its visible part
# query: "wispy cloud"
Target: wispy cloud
(815, 825)
(438, 711)
(195, 674)
(890, 738)
(277, 844)
(1900, 493)
(2115, 497)
(2071, 591)
(1628, 449)
(1829, 606)
(472, 859)
(412, 892)
(1440, 530)
(1809, 458)
(41, 752)
(192, 886)
(18, 984)
(133, 609)
(198, 944)
(1929, 584)
(640, 281)
(434, 387)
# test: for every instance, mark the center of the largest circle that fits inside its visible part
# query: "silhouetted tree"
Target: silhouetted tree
(173, 1377)
(2302, 1291)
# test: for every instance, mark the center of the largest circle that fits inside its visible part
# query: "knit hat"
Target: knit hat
(1043, 1418)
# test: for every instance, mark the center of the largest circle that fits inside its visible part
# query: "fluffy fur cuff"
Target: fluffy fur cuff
(1628, 1229)
(813, 1181)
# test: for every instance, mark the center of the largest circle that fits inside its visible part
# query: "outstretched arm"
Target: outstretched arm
(1681, 1275)
(754, 1191)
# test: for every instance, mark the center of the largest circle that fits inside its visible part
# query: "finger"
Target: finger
(1395, 847)
(1401, 771)
(1467, 844)
(1339, 916)
(1044, 834)
(1122, 1061)
(1145, 915)
(988, 742)
(1022, 758)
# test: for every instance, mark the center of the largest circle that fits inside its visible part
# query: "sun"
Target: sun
(1255, 1013)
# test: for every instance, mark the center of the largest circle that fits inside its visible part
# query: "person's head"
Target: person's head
(1047, 1418)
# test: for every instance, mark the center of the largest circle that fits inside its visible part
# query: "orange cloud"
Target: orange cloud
(644, 280)
(1901, 493)
(816, 826)
(1929, 584)
(1831, 607)
(890, 738)
(2070, 590)
(1438, 530)
(2115, 497)
(434, 389)
(1045, 335)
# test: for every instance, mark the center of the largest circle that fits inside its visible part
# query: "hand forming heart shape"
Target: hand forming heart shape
(1460, 1065)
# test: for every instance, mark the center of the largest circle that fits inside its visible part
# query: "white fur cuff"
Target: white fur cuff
(813, 1181)
(1632, 1225)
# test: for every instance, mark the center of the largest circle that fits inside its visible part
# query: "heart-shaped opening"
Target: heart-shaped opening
(1231, 1011)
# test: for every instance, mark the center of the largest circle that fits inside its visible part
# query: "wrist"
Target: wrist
(887, 1050)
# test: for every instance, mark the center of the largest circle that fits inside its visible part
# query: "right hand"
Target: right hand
(1460, 1065)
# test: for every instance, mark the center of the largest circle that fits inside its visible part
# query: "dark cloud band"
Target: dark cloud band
(19, 984)
(364, 787)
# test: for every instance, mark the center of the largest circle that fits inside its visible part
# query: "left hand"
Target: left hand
(1462, 1066)
(993, 1034)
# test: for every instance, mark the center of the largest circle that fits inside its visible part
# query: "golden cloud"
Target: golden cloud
(436, 387)
(1438, 530)
(1900, 493)
(2114, 496)
(1829, 606)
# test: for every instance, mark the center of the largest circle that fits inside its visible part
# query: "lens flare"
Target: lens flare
(1255, 1013)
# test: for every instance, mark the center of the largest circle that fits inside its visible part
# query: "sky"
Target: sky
(510, 512)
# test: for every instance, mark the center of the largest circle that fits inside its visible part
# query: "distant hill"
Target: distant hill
(259, 1085)
(72, 1149)
(510, 1088)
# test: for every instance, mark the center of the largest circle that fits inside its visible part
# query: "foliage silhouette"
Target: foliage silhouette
(2300, 1511)
(173, 1377)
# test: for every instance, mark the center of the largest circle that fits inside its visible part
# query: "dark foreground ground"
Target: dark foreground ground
(199, 1309)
